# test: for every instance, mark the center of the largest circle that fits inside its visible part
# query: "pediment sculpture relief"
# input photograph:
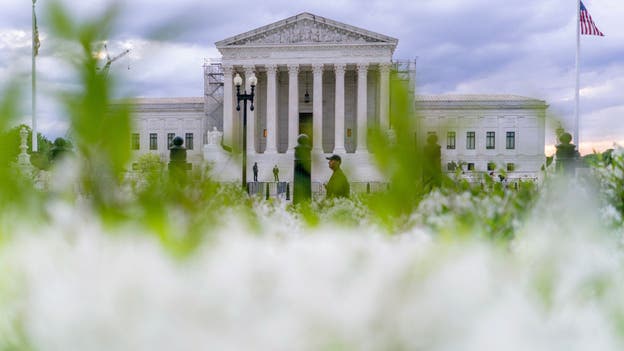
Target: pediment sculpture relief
(307, 31)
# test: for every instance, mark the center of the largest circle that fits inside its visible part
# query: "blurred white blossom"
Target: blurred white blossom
(76, 285)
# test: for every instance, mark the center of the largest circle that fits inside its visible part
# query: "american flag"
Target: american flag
(588, 27)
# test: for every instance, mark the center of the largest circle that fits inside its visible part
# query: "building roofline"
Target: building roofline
(384, 39)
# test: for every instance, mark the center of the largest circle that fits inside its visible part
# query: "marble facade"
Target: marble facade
(329, 80)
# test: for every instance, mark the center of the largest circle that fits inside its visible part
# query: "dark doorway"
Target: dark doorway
(305, 125)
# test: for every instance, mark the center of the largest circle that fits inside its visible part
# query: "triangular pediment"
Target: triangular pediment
(303, 29)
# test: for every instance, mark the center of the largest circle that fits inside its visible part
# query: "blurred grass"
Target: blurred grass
(183, 213)
(17, 194)
(399, 159)
(179, 212)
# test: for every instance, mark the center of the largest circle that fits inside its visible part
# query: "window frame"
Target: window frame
(510, 140)
(451, 140)
(135, 141)
(471, 138)
(490, 140)
(188, 140)
(170, 137)
(153, 141)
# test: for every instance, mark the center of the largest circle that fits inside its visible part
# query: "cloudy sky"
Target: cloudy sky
(523, 47)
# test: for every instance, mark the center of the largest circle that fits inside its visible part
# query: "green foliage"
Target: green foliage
(609, 170)
(149, 163)
(10, 141)
(180, 210)
(9, 101)
(101, 133)
(16, 190)
(399, 159)
(488, 210)
(12, 334)
(345, 212)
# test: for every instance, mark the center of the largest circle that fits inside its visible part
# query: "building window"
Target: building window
(491, 166)
(153, 141)
(511, 167)
(511, 140)
(471, 166)
(470, 140)
(490, 140)
(170, 137)
(136, 141)
(188, 141)
(451, 166)
(450, 140)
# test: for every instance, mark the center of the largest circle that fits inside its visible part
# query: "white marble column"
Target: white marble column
(384, 96)
(339, 113)
(271, 108)
(362, 116)
(251, 120)
(293, 106)
(317, 108)
(228, 106)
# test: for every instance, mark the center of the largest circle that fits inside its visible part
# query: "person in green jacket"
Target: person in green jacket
(338, 185)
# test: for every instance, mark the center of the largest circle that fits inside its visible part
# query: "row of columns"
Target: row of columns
(317, 107)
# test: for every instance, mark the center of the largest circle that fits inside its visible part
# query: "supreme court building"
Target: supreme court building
(330, 81)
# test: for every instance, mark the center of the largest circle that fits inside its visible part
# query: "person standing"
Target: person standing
(276, 173)
(255, 171)
(338, 185)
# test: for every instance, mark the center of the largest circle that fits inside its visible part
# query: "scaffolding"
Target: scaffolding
(213, 93)
(404, 75)
(406, 71)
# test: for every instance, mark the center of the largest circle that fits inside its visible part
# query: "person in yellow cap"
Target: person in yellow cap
(338, 185)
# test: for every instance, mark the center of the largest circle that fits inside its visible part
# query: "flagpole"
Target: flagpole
(576, 92)
(35, 147)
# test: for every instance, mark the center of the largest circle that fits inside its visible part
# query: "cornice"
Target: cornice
(190, 104)
(477, 102)
(323, 30)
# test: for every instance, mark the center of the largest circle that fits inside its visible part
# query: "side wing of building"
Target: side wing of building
(157, 121)
(485, 133)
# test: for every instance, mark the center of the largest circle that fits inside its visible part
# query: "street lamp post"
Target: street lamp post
(238, 81)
